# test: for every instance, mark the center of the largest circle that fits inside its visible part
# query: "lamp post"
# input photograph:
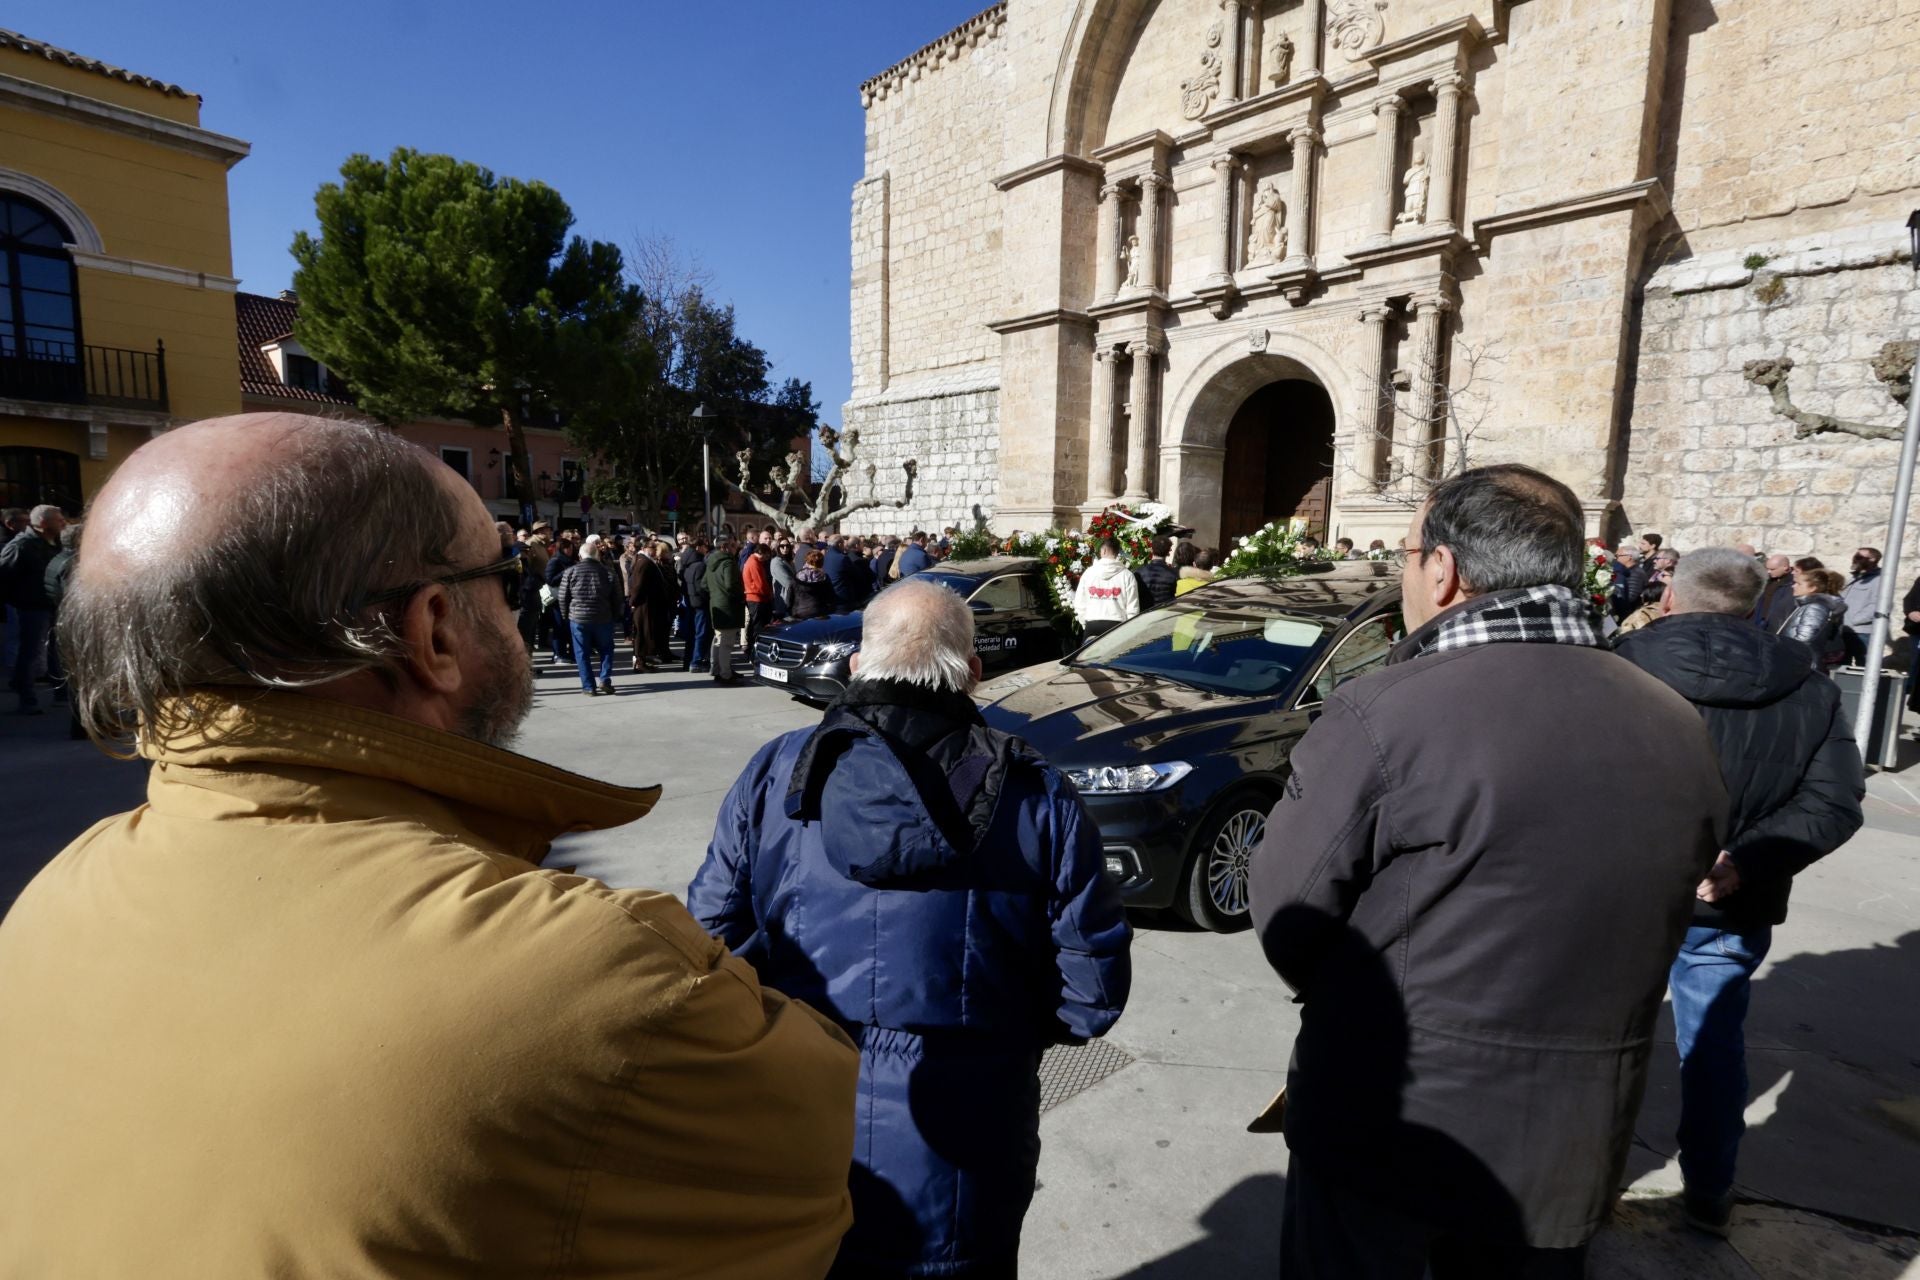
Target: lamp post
(703, 423)
(1896, 533)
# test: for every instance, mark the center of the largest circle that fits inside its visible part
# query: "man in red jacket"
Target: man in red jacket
(757, 578)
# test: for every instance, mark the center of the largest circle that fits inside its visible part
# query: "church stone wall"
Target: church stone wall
(952, 426)
(1710, 463)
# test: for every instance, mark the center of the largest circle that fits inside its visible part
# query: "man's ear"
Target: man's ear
(974, 667)
(1666, 601)
(1442, 574)
(853, 663)
(432, 640)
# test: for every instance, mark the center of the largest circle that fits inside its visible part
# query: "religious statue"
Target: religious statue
(1280, 58)
(1418, 179)
(1131, 256)
(1267, 237)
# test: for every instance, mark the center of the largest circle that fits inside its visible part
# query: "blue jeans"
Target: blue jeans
(1710, 983)
(557, 635)
(30, 658)
(698, 648)
(599, 635)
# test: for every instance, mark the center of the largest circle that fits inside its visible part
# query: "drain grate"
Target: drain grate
(1067, 1069)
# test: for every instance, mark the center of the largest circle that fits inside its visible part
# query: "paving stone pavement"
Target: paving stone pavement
(1147, 1170)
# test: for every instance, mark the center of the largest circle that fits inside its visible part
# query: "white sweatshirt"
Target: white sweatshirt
(1107, 593)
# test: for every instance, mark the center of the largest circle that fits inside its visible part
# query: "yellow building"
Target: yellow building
(116, 269)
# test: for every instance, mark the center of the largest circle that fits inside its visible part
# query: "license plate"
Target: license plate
(775, 674)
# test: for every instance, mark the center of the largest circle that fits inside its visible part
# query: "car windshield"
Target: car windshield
(1236, 649)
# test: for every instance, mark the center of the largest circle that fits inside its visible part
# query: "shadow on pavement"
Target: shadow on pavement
(1833, 1052)
(1243, 1236)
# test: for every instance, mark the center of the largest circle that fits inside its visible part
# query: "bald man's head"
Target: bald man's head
(318, 518)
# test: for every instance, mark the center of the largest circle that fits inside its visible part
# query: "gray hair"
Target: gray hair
(38, 517)
(1717, 580)
(1508, 526)
(70, 537)
(918, 632)
(281, 601)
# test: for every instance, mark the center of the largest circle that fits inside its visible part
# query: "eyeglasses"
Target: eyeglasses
(508, 569)
(1403, 555)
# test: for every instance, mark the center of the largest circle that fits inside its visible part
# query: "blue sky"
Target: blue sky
(732, 126)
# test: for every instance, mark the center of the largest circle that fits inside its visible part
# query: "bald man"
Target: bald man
(315, 1008)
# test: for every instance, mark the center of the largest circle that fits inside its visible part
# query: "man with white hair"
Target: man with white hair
(23, 581)
(937, 889)
(1795, 782)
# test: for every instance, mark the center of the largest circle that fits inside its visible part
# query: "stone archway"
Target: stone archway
(1201, 411)
(1278, 460)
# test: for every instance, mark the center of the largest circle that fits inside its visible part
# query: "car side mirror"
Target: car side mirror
(979, 606)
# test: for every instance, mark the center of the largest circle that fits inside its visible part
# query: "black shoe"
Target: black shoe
(606, 687)
(1711, 1214)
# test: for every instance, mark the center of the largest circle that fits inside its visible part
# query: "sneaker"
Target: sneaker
(1711, 1214)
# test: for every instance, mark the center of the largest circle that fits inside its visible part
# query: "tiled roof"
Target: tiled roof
(80, 62)
(260, 320)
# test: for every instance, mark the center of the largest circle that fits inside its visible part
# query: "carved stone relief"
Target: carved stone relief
(1132, 257)
(1419, 178)
(1355, 26)
(1267, 236)
(1280, 60)
(1198, 92)
(1257, 340)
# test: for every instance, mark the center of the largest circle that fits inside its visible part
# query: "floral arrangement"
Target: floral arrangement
(1270, 552)
(1599, 576)
(1379, 553)
(972, 544)
(1067, 553)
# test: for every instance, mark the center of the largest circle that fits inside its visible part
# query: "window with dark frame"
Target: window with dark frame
(460, 460)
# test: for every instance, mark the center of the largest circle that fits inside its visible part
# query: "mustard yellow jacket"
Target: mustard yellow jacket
(315, 1010)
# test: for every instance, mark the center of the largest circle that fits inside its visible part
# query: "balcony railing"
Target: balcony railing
(68, 373)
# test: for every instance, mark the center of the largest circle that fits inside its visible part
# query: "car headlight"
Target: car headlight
(836, 650)
(1127, 779)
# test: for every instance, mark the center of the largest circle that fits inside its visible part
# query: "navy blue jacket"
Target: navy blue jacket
(914, 559)
(939, 891)
(851, 577)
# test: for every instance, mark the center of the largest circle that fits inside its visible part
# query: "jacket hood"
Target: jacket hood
(1719, 661)
(904, 781)
(1104, 570)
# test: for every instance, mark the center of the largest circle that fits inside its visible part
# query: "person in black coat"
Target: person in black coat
(1775, 605)
(1156, 577)
(565, 555)
(812, 591)
(1480, 964)
(1794, 785)
(693, 578)
(1629, 583)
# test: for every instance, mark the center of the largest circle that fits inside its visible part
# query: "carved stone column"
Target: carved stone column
(1375, 445)
(1230, 52)
(1151, 186)
(1388, 111)
(1307, 56)
(1108, 245)
(1426, 436)
(1102, 440)
(1300, 217)
(1442, 199)
(1140, 420)
(1223, 166)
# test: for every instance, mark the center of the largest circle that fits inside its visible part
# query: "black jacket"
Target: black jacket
(812, 595)
(1481, 960)
(1817, 621)
(23, 570)
(693, 577)
(1629, 585)
(1776, 603)
(1157, 580)
(588, 593)
(1793, 774)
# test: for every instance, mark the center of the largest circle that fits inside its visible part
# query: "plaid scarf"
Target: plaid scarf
(1549, 614)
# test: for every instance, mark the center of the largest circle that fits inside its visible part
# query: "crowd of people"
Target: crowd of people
(330, 934)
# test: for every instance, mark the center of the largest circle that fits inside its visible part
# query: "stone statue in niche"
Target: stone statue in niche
(1198, 92)
(1280, 60)
(1267, 236)
(1419, 178)
(1131, 258)
(1355, 26)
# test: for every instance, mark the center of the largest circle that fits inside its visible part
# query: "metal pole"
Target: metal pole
(1889, 571)
(706, 477)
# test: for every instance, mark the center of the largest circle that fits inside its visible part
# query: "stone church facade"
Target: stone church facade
(1266, 259)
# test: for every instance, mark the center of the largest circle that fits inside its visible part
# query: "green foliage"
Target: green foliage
(975, 544)
(1272, 552)
(1755, 261)
(436, 288)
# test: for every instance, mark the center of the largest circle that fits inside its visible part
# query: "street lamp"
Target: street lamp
(1896, 534)
(703, 423)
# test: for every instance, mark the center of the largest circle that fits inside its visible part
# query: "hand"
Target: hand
(1914, 616)
(1722, 882)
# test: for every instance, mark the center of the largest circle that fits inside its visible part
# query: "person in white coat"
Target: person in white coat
(1108, 594)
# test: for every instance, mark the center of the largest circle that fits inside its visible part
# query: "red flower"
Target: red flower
(1055, 559)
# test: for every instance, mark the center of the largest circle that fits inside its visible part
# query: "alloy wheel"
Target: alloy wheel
(1228, 859)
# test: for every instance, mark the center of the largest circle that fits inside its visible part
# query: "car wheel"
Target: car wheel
(1216, 894)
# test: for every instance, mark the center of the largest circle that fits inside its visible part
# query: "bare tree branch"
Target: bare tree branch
(1893, 366)
(792, 479)
(1400, 455)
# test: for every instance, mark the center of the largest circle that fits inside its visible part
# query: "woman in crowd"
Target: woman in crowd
(781, 567)
(812, 593)
(1819, 615)
(1107, 595)
(663, 602)
(1196, 571)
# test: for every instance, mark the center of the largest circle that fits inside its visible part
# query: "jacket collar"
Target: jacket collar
(518, 802)
(1553, 615)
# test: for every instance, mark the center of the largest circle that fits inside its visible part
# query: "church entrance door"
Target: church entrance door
(1279, 463)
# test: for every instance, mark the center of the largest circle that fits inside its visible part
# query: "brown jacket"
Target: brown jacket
(314, 1009)
(1480, 938)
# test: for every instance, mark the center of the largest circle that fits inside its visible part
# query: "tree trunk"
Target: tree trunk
(523, 492)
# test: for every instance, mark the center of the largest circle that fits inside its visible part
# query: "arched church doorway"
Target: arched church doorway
(1279, 460)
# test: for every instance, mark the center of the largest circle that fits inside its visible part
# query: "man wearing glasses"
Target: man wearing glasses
(317, 999)
(1479, 962)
